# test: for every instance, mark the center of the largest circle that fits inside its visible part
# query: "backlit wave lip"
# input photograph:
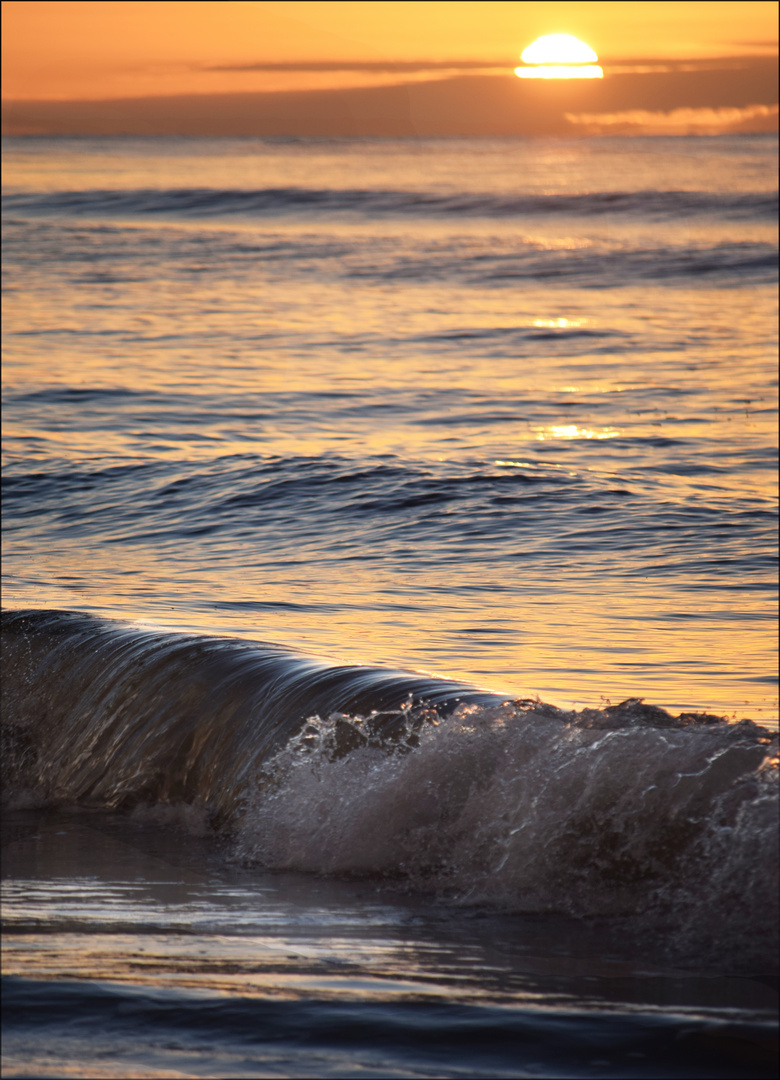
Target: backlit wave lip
(118, 713)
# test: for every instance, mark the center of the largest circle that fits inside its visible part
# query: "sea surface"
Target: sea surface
(389, 589)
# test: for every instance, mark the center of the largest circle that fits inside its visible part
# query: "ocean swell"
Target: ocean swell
(215, 202)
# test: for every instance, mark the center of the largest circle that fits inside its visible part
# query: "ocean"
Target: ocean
(389, 607)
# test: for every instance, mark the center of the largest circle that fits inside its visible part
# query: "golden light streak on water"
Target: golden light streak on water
(560, 324)
(573, 431)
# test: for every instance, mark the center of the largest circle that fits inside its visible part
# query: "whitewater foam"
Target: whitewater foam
(620, 812)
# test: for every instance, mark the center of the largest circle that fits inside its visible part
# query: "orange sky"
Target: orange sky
(64, 51)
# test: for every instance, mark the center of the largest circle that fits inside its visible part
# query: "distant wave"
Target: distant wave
(115, 227)
(215, 202)
(321, 767)
(538, 513)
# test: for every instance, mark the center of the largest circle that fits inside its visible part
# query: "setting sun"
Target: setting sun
(559, 56)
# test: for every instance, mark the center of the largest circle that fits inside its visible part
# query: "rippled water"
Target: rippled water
(500, 411)
(180, 965)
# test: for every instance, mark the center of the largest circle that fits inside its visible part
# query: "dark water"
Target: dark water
(390, 636)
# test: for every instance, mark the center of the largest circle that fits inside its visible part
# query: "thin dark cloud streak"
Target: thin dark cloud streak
(378, 66)
(415, 66)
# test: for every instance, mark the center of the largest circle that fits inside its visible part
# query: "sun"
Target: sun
(559, 56)
(558, 49)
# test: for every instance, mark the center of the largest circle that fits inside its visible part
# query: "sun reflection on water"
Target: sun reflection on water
(559, 324)
(573, 431)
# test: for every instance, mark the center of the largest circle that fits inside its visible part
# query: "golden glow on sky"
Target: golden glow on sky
(68, 50)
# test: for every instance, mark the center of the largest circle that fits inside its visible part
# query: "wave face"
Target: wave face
(313, 766)
(98, 713)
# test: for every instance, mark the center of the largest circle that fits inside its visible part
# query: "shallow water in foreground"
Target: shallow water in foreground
(160, 959)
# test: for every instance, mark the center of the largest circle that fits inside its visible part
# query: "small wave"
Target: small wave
(215, 202)
(599, 267)
(89, 257)
(157, 1031)
(387, 507)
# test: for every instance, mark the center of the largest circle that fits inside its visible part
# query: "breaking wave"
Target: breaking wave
(624, 811)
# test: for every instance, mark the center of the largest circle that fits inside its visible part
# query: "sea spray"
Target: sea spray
(623, 812)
